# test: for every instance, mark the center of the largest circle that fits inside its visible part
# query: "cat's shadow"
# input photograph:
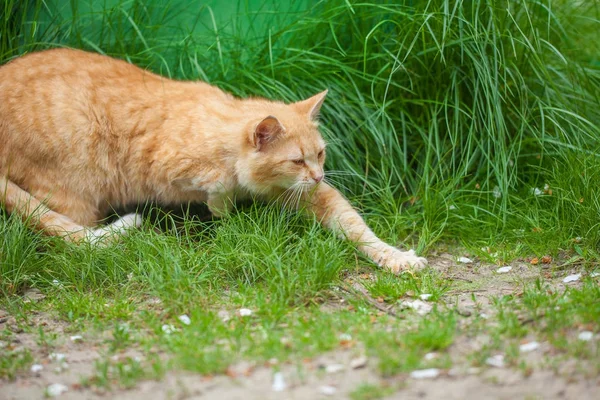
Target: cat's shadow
(171, 218)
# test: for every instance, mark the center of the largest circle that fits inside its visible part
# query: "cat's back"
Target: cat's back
(61, 102)
(57, 71)
(69, 91)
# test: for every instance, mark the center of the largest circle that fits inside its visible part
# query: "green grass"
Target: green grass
(443, 118)
(368, 391)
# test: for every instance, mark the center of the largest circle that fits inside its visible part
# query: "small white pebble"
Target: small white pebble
(572, 278)
(185, 319)
(430, 356)
(56, 282)
(334, 368)
(77, 338)
(464, 260)
(328, 390)
(451, 207)
(484, 315)
(586, 336)
(503, 270)
(35, 368)
(168, 329)
(245, 312)
(358, 362)
(425, 296)
(594, 274)
(428, 373)
(279, 384)
(345, 337)
(224, 315)
(57, 357)
(419, 306)
(528, 347)
(56, 389)
(496, 361)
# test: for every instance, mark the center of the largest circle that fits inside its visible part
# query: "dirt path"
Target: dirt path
(333, 375)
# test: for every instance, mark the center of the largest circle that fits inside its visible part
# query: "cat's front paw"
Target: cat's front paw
(398, 261)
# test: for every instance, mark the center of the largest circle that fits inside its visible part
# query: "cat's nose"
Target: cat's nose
(318, 178)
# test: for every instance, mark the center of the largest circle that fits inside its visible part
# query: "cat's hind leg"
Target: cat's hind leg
(36, 214)
(40, 217)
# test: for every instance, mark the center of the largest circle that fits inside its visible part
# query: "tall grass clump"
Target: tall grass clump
(458, 108)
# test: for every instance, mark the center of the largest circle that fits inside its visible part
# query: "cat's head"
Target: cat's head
(285, 148)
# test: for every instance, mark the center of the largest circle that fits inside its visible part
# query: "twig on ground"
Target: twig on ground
(359, 290)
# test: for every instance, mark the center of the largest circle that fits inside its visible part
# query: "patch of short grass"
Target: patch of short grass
(369, 391)
(13, 361)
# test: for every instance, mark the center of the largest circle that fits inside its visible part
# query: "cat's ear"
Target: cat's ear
(266, 131)
(312, 105)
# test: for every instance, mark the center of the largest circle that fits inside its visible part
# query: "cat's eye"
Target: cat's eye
(298, 162)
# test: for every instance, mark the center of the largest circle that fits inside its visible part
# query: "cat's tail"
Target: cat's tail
(35, 214)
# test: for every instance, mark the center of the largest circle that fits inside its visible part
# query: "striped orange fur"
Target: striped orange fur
(81, 133)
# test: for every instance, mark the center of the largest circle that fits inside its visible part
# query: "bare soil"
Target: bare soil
(557, 380)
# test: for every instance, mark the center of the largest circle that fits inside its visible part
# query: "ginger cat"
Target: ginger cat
(81, 133)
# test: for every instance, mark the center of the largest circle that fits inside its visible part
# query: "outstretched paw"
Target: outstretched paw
(399, 261)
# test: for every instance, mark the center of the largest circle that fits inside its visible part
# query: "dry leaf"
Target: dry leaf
(534, 261)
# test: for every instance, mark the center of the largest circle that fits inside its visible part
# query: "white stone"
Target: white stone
(428, 373)
(56, 389)
(430, 356)
(358, 362)
(464, 260)
(77, 338)
(334, 368)
(528, 347)
(572, 278)
(35, 368)
(419, 306)
(425, 296)
(503, 270)
(586, 336)
(168, 329)
(245, 312)
(279, 384)
(328, 390)
(185, 319)
(496, 361)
